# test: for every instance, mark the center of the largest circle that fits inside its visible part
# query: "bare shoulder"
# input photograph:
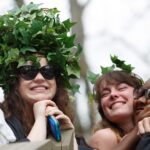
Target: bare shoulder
(103, 139)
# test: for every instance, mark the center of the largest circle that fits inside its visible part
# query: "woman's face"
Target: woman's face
(140, 104)
(39, 88)
(142, 98)
(117, 101)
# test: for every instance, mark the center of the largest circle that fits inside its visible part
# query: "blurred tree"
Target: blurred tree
(19, 2)
(77, 10)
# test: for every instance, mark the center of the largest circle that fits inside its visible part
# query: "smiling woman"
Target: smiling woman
(38, 58)
(38, 90)
(114, 95)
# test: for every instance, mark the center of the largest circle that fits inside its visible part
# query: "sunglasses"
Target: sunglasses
(142, 92)
(29, 72)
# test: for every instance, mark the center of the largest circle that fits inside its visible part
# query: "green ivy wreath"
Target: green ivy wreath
(33, 29)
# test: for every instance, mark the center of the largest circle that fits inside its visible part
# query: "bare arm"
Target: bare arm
(38, 131)
(129, 141)
(106, 139)
(39, 128)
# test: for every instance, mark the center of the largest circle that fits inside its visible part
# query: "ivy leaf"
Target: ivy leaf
(24, 50)
(92, 77)
(75, 88)
(107, 69)
(69, 41)
(36, 26)
(25, 37)
(79, 50)
(13, 55)
(121, 64)
(73, 70)
(127, 68)
(1, 60)
(68, 24)
(21, 62)
(117, 61)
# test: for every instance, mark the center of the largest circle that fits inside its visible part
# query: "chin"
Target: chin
(43, 97)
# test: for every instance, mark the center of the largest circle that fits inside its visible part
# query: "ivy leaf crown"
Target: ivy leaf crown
(31, 29)
(117, 64)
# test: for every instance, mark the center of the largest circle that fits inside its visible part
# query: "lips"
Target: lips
(116, 104)
(139, 109)
(39, 88)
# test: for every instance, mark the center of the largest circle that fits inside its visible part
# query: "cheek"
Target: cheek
(131, 106)
(131, 99)
(104, 104)
(22, 88)
(53, 87)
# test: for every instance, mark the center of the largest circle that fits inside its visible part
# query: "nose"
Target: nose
(39, 76)
(114, 93)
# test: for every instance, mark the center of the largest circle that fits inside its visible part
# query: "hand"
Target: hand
(64, 120)
(143, 114)
(144, 126)
(39, 108)
(40, 124)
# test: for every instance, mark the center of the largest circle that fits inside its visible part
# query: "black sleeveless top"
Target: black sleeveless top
(18, 130)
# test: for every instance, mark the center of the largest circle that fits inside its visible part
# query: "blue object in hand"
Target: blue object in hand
(55, 128)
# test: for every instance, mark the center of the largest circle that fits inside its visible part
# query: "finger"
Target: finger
(146, 124)
(51, 103)
(65, 122)
(62, 117)
(54, 112)
(143, 114)
(50, 108)
(141, 128)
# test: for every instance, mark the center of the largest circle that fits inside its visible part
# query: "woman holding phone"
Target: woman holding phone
(39, 59)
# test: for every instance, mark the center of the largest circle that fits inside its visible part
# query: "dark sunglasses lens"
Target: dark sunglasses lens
(47, 72)
(139, 93)
(147, 94)
(28, 72)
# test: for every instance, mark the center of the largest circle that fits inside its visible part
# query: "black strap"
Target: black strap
(17, 128)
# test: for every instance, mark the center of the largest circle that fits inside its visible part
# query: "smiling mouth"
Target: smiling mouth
(117, 104)
(139, 109)
(39, 88)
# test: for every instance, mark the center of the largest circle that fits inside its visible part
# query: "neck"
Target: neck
(127, 125)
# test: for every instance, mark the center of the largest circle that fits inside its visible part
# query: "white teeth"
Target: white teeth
(117, 105)
(39, 88)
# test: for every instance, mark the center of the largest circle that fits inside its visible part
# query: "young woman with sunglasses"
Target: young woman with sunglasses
(141, 106)
(114, 95)
(34, 88)
(38, 59)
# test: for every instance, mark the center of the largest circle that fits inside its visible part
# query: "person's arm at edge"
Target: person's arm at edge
(129, 141)
(38, 131)
(102, 141)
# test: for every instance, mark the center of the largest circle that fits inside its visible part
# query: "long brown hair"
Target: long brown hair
(14, 105)
(114, 77)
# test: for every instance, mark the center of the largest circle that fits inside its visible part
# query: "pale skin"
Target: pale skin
(117, 104)
(39, 93)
